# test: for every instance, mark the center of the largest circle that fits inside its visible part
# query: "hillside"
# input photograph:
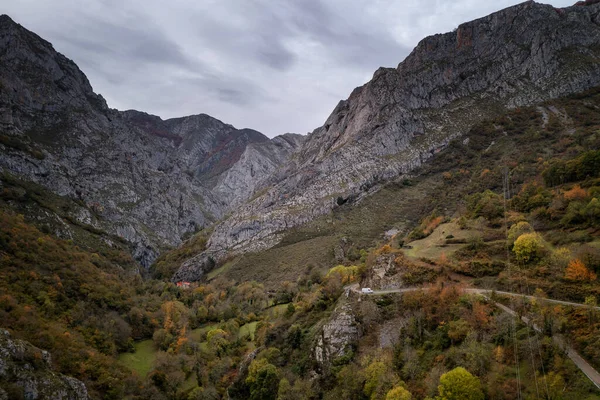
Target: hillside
(183, 259)
(389, 127)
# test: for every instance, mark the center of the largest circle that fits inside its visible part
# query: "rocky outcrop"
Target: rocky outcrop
(255, 167)
(339, 334)
(518, 56)
(148, 180)
(25, 372)
(385, 273)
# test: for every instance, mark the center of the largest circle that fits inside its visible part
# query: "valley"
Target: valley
(186, 259)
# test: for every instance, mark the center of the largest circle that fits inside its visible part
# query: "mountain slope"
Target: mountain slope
(150, 181)
(388, 127)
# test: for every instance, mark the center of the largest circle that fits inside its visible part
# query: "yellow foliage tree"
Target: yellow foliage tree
(528, 247)
(459, 384)
(398, 393)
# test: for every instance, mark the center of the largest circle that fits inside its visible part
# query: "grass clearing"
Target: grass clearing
(222, 269)
(197, 334)
(248, 329)
(141, 361)
(434, 245)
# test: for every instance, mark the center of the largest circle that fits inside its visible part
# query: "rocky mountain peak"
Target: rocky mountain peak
(388, 127)
(39, 78)
(148, 180)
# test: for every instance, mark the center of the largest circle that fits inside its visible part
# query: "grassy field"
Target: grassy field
(141, 361)
(248, 329)
(276, 311)
(434, 245)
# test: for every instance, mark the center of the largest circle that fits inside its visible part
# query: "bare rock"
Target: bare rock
(26, 369)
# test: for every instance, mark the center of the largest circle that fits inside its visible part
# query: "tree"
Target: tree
(458, 330)
(217, 339)
(576, 193)
(487, 204)
(592, 303)
(592, 210)
(300, 390)
(398, 393)
(577, 271)
(263, 380)
(459, 384)
(528, 247)
(378, 380)
(517, 230)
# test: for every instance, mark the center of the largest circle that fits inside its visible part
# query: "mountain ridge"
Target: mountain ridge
(388, 127)
(148, 180)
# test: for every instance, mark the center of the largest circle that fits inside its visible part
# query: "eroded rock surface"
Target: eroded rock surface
(518, 56)
(339, 334)
(148, 180)
(25, 371)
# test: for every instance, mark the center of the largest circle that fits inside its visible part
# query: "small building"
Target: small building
(183, 284)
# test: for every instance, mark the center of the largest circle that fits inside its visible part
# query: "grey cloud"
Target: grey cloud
(145, 44)
(275, 66)
(357, 40)
(259, 38)
(227, 89)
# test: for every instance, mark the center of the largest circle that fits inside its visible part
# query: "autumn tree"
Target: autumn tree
(398, 393)
(378, 380)
(487, 204)
(300, 390)
(517, 230)
(576, 193)
(458, 330)
(577, 271)
(528, 247)
(459, 384)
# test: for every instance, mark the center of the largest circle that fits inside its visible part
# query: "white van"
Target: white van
(366, 290)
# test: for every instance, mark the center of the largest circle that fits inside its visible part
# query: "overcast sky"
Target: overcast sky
(272, 65)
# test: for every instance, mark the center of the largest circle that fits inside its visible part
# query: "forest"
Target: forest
(135, 335)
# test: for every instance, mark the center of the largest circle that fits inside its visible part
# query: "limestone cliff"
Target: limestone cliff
(518, 56)
(148, 180)
(25, 372)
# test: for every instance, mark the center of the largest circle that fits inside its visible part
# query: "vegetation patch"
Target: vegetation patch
(140, 361)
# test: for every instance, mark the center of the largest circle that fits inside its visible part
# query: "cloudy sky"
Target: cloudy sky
(272, 65)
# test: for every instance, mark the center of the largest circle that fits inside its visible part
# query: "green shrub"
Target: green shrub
(529, 247)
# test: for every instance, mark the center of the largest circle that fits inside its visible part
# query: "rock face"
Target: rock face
(338, 335)
(25, 372)
(149, 181)
(152, 181)
(518, 56)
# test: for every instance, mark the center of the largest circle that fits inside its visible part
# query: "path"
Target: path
(584, 366)
(478, 291)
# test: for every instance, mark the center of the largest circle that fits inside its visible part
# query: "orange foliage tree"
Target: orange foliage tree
(576, 193)
(577, 271)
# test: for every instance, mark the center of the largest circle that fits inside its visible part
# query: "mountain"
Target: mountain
(432, 185)
(154, 182)
(387, 128)
(150, 181)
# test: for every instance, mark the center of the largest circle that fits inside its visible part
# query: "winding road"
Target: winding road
(584, 366)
